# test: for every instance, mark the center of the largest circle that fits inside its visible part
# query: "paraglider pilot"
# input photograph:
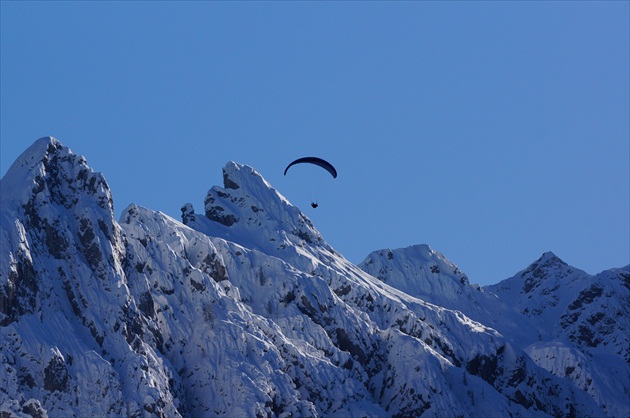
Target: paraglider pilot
(317, 161)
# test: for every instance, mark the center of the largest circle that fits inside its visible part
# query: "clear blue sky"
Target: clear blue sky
(492, 131)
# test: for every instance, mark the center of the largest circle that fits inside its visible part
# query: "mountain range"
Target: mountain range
(244, 309)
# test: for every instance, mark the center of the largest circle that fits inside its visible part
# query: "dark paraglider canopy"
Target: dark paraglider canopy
(317, 161)
(314, 160)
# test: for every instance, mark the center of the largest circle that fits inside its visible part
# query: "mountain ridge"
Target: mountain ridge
(245, 310)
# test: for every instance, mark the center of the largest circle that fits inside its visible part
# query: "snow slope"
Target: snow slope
(243, 310)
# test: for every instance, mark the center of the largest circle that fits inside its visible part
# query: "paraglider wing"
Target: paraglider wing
(314, 160)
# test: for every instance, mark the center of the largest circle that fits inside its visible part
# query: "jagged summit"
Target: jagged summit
(249, 211)
(54, 207)
(543, 274)
(548, 255)
(547, 260)
(32, 156)
(49, 171)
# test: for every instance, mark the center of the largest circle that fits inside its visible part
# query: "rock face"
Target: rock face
(245, 310)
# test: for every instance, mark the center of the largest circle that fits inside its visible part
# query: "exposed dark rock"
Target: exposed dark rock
(216, 214)
(213, 266)
(146, 304)
(90, 247)
(346, 344)
(188, 213)
(587, 296)
(199, 286)
(485, 367)
(228, 183)
(56, 375)
(56, 242)
(19, 294)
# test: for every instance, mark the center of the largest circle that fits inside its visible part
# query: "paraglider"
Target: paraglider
(317, 161)
(314, 160)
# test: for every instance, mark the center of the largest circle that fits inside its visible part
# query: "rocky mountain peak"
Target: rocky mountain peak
(249, 211)
(549, 259)
(544, 274)
(54, 206)
(57, 176)
(231, 171)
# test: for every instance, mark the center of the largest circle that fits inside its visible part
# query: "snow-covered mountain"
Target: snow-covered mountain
(573, 324)
(245, 310)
